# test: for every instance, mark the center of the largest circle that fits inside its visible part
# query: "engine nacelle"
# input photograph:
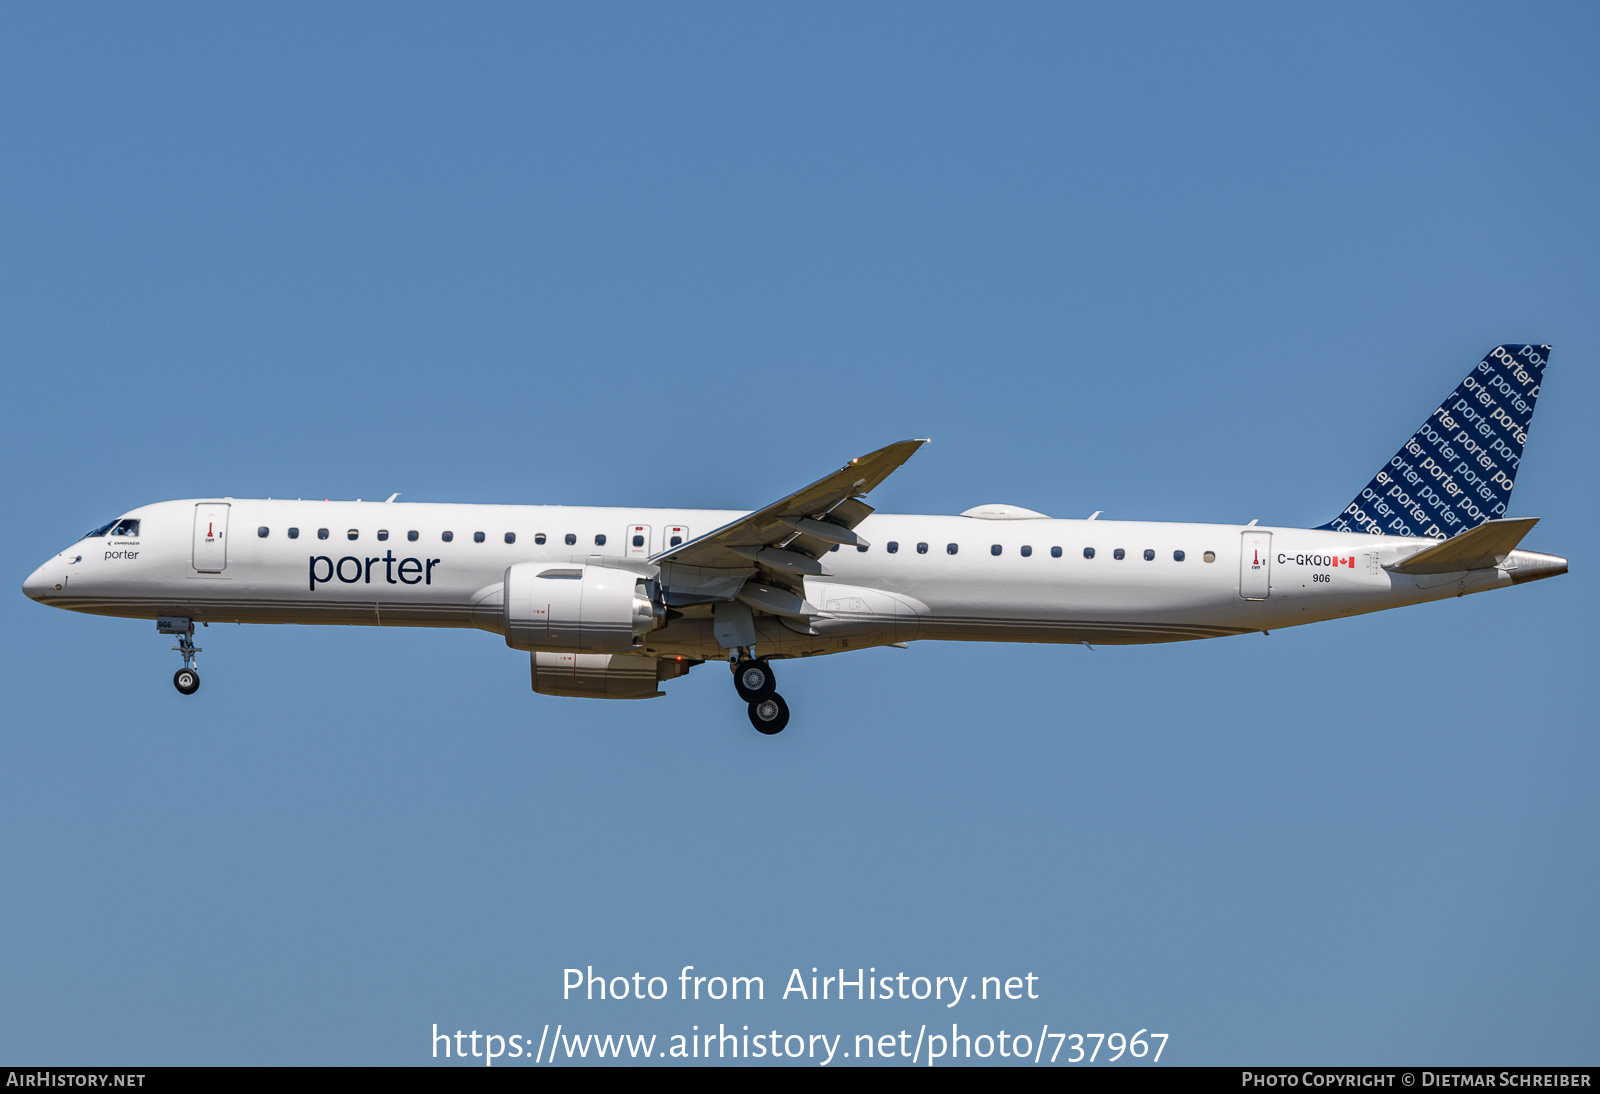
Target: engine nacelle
(574, 607)
(604, 675)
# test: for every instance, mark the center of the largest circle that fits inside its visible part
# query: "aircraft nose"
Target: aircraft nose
(43, 581)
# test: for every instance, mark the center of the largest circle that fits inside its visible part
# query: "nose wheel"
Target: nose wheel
(186, 679)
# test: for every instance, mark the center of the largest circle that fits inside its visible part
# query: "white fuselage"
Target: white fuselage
(384, 564)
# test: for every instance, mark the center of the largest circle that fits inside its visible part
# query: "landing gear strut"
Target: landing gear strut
(186, 679)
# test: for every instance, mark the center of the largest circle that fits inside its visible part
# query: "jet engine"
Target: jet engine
(604, 675)
(575, 608)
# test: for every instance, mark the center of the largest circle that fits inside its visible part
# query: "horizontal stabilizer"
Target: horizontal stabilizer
(1480, 548)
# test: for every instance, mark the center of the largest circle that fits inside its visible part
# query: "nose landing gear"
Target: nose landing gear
(186, 679)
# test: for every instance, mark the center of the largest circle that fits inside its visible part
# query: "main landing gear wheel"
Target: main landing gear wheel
(770, 715)
(753, 681)
(187, 681)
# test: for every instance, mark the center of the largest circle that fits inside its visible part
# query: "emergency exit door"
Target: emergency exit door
(637, 543)
(211, 537)
(1255, 565)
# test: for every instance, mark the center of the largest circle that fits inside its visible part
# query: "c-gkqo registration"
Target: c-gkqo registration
(610, 603)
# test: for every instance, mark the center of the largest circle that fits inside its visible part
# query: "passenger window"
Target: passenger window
(922, 548)
(994, 549)
(447, 536)
(352, 534)
(1149, 555)
(571, 539)
(129, 528)
(951, 548)
(1177, 556)
(600, 540)
(1088, 552)
(322, 533)
(1055, 552)
(1027, 552)
(861, 548)
(676, 540)
(892, 546)
(835, 547)
(638, 541)
(294, 533)
(511, 537)
(538, 537)
(1119, 554)
(262, 531)
(411, 536)
(383, 534)
(477, 537)
(1209, 556)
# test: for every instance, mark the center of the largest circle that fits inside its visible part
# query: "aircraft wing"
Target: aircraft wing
(789, 536)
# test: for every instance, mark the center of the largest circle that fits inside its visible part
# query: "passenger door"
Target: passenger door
(1255, 565)
(211, 537)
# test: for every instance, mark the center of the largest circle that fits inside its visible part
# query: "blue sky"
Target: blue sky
(1166, 262)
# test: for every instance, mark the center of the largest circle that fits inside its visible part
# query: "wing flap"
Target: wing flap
(824, 530)
(788, 561)
(776, 601)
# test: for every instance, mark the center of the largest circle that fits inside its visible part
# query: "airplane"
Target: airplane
(613, 602)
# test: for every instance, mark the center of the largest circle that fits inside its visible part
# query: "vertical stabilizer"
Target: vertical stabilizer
(1457, 471)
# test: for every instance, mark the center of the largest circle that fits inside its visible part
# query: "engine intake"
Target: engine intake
(573, 607)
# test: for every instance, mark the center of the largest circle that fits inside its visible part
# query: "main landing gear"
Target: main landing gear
(770, 715)
(186, 679)
(753, 680)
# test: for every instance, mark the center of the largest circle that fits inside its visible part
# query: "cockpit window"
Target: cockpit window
(124, 527)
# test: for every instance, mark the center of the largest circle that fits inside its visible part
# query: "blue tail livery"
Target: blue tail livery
(1457, 470)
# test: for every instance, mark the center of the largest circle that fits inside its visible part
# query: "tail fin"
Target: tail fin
(1457, 470)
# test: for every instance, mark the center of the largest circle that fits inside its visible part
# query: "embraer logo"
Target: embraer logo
(410, 571)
